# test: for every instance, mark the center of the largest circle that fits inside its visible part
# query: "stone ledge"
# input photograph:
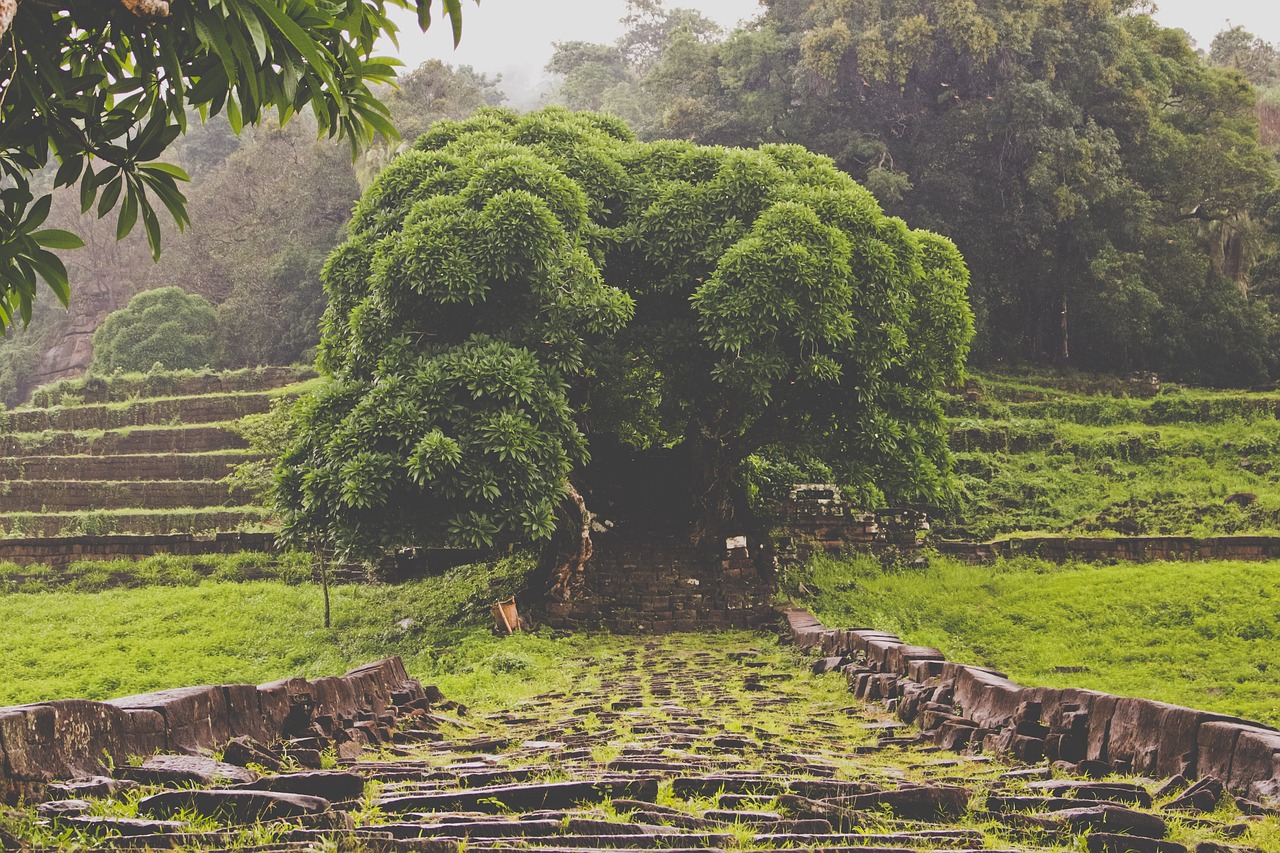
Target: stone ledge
(977, 709)
(1138, 549)
(68, 738)
(61, 551)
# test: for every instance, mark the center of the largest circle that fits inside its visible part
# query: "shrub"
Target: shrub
(166, 327)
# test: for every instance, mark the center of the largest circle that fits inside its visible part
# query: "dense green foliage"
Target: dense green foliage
(102, 89)
(516, 288)
(1196, 634)
(1078, 454)
(1105, 184)
(167, 327)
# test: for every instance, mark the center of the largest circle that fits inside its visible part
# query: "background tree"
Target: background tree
(267, 206)
(166, 327)
(518, 291)
(102, 89)
(1255, 58)
(1103, 182)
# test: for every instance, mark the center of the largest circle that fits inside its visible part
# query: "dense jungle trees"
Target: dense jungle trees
(520, 295)
(1106, 185)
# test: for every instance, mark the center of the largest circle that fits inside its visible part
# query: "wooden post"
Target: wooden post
(324, 583)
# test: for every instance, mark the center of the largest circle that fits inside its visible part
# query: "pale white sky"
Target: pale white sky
(511, 35)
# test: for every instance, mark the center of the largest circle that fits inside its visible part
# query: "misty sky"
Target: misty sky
(516, 35)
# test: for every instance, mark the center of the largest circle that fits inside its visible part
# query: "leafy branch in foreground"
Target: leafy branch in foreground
(102, 89)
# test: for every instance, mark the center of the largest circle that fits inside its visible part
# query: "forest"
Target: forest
(1113, 188)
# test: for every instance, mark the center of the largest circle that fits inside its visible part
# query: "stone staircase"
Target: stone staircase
(680, 745)
(138, 456)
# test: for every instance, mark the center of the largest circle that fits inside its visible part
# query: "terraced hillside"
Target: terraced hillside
(140, 455)
(1085, 455)
(690, 743)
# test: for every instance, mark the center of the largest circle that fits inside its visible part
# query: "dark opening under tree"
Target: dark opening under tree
(520, 295)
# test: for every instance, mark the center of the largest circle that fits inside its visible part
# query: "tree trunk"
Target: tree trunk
(1064, 351)
(8, 9)
(571, 548)
(720, 503)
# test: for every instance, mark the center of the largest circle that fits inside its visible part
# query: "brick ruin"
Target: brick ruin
(659, 583)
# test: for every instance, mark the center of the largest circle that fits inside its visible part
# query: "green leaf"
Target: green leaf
(56, 238)
(168, 169)
(128, 213)
(110, 195)
(301, 41)
(454, 10)
(38, 214)
(54, 273)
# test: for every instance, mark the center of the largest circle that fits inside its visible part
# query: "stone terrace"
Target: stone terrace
(690, 743)
(143, 455)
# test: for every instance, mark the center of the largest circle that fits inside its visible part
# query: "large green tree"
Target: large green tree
(1103, 182)
(520, 295)
(101, 89)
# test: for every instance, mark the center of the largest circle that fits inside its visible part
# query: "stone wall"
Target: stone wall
(121, 388)
(193, 439)
(1138, 549)
(66, 550)
(190, 521)
(654, 583)
(972, 708)
(72, 495)
(71, 738)
(117, 467)
(187, 410)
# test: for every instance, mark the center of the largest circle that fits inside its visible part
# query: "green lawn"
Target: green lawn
(1197, 634)
(193, 630)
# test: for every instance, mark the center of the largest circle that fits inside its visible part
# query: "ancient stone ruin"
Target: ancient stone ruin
(683, 745)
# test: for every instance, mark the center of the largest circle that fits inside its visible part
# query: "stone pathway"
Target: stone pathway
(687, 743)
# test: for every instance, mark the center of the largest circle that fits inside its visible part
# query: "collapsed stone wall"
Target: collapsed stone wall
(654, 583)
(73, 738)
(973, 708)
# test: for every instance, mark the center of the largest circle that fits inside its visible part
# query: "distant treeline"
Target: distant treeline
(1115, 191)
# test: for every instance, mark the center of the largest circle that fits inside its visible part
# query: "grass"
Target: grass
(1047, 454)
(196, 630)
(1197, 634)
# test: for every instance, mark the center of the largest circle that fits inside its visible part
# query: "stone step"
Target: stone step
(150, 466)
(115, 389)
(692, 841)
(517, 797)
(215, 408)
(59, 552)
(71, 495)
(129, 440)
(128, 521)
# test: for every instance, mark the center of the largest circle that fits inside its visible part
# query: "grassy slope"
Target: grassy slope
(193, 630)
(1042, 454)
(1197, 634)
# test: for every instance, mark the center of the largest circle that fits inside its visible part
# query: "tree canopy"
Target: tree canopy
(520, 294)
(101, 89)
(1106, 185)
(166, 327)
